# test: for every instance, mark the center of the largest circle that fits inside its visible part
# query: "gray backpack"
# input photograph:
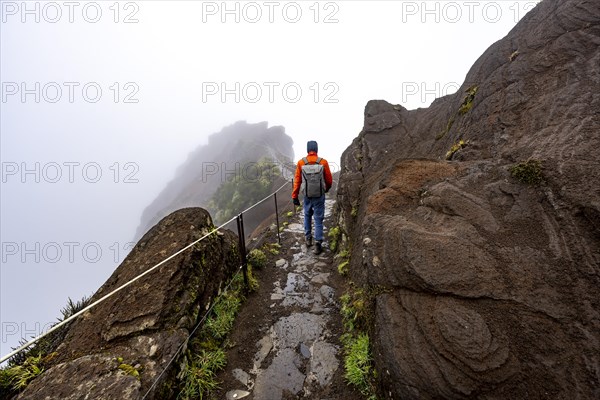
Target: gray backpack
(313, 178)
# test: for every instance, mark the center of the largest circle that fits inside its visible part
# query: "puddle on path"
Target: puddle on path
(296, 357)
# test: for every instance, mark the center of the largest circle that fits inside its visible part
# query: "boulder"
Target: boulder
(120, 348)
(491, 286)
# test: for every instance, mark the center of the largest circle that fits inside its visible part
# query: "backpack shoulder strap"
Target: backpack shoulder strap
(319, 160)
(305, 160)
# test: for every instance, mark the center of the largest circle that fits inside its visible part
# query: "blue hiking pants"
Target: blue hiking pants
(314, 206)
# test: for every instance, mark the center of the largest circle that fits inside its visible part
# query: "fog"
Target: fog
(102, 101)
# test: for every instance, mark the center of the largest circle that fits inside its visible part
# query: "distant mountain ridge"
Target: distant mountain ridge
(228, 152)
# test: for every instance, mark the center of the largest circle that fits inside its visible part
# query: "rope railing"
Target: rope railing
(243, 268)
(153, 268)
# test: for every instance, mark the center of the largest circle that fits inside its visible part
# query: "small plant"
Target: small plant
(257, 258)
(252, 281)
(528, 172)
(354, 212)
(334, 235)
(4, 380)
(224, 312)
(344, 258)
(290, 214)
(18, 377)
(343, 268)
(30, 363)
(273, 248)
(344, 253)
(74, 307)
(206, 354)
(358, 364)
(200, 376)
(461, 144)
(467, 103)
(129, 369)
(357, 357)
(448, 127)
(354, 310)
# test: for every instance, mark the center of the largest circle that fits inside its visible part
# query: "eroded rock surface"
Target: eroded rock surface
(492, 285)
(141, 327)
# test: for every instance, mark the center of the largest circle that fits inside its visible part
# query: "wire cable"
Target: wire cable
(190, 336)
(95, 303)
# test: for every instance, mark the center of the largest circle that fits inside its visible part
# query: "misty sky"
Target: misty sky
(101, 101)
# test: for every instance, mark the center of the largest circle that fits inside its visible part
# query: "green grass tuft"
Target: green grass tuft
(206, 355)
(344, 253)
(357, 364)
(273, 248)
(528, 172)
(343, 268)
(461, 144)
(335, 234)
(467, 103)
(257, 258)
(201, 373)
(18, 377)
(223, 317)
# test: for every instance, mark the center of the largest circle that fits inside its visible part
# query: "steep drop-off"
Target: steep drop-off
(142, 327)
(488, 287)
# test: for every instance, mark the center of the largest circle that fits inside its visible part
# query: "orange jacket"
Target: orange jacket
(312, 158)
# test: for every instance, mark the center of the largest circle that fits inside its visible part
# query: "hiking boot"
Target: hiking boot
(308, 241)
(318, 248)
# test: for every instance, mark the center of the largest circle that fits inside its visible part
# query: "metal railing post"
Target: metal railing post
(277, 218)
(241, 234)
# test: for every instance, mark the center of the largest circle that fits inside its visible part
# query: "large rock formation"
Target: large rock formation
(490, 288)
(227, 153)
(142, 327)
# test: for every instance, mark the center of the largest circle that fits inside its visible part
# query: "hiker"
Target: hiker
(313, 174)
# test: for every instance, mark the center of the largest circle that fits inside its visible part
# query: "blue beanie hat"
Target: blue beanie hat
(312, 146)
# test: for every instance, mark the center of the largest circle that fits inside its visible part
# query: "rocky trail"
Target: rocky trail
(285, 342)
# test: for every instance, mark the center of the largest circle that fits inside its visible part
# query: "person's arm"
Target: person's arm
(328, 176)
(297, 181)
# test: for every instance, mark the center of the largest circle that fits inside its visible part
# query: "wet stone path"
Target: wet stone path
(296, 353)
